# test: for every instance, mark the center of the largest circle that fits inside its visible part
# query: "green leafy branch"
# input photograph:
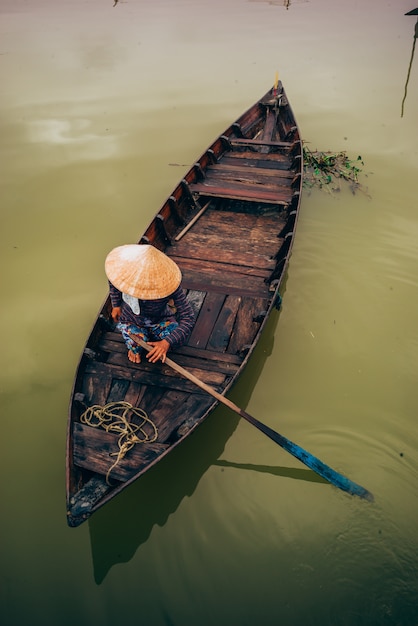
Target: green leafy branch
(326, 170)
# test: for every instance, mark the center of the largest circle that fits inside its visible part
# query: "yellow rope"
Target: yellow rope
(113, 418)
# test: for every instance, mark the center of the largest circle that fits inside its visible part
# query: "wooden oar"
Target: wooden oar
(308, 459)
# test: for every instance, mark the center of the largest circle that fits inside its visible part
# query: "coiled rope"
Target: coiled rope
(113, 418)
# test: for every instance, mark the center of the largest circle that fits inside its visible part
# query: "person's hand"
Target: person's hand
(159, 350)
(116, 312)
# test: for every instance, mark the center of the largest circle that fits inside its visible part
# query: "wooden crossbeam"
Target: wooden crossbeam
(244, 192)
(262, 142)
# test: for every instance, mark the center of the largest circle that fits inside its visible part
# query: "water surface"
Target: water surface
(103, 109)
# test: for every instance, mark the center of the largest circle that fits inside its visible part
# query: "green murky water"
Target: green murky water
(103, 108)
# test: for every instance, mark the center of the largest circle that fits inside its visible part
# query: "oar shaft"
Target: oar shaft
(299, 453)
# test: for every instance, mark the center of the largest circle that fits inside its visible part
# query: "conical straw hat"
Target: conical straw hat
(142, 271)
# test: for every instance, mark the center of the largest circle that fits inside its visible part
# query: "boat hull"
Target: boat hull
(229, 224)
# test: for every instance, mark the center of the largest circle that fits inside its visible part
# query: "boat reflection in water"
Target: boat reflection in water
(124, 524)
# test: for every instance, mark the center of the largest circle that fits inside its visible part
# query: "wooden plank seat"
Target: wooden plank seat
(272, 160)
(236, 270)
(224, 359)
(244, 191)
(114, 341)
(247, 175)
(238, 168)
(186, 356)
(205, 279)
(204, 247)
(285, 145)
(144, 373)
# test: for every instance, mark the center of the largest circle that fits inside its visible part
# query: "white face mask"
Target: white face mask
(132, 302)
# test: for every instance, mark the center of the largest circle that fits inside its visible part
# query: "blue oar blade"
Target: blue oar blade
(337, 479)
(333, 477)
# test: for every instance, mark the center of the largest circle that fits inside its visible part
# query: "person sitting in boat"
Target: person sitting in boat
(147, 300)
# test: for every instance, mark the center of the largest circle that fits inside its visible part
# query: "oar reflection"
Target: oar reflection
(285, 472)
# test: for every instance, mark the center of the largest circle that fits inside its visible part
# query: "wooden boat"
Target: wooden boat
(229, 225)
